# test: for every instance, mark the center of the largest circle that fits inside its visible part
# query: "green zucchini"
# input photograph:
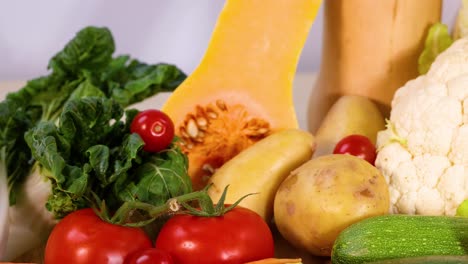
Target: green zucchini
(401, 236)
(425, 260)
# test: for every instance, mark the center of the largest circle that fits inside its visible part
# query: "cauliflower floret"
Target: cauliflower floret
(465, 111)
(423, 153)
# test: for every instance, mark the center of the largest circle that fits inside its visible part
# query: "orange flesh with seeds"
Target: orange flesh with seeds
(215, 134)
(244, 82)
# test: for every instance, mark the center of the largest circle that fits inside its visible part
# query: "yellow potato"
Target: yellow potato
(324, 196)
(350, 114)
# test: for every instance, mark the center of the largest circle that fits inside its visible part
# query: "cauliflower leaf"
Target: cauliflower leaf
(438, 39)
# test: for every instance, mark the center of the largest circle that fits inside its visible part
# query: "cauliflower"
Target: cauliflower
(423, 153)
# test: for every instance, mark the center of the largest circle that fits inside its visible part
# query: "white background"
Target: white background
(173, 31)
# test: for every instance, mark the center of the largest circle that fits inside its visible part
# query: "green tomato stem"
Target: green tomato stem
(172, 205)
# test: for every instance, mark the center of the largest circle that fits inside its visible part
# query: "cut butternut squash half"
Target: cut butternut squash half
(242, 89)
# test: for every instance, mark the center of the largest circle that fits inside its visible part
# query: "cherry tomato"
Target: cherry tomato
(357, 145)
(83, 238)
(155, 128)
(239, 236)
(150, 256)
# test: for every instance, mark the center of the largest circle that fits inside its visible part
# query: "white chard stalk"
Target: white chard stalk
(29, 221)
(4, 204)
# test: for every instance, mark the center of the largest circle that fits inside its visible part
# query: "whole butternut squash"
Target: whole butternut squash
(370, 48)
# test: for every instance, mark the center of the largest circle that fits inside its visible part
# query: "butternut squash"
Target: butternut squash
(242, 89)
(370, 48)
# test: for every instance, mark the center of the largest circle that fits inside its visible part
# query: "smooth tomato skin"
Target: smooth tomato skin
(149, 256)
(238, 236)
(155, 128)
(83, 238)
(357, 145)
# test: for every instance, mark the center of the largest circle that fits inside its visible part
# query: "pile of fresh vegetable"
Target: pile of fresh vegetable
(86, 178)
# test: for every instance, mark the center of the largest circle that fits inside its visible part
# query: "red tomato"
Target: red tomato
(82, 237)
(357, 145)
(239, 236)
(155, 128)
(150, 256)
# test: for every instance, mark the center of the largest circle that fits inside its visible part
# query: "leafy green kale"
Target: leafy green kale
(69, 122)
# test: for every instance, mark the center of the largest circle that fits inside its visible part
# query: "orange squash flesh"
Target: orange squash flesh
(246, 75)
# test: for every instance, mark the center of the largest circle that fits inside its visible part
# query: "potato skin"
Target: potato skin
(324, 196)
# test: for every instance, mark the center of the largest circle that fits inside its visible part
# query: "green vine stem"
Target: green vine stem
(173, 205)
